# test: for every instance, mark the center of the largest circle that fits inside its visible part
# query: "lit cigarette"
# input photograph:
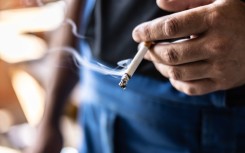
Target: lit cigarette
(143, 48)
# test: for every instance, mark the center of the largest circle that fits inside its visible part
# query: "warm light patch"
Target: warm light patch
(6, 120)
(17, 48)
(8, 150)
(30, 95)
(36, 19)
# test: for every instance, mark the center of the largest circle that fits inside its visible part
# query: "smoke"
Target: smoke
(74, 28)
(93, 65)
(81, 60)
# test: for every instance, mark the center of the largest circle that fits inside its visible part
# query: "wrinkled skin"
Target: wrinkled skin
(213, 59)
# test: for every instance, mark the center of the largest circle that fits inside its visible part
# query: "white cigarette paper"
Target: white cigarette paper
(143, 48)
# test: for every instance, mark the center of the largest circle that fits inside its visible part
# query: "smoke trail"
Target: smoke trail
(81, 60)
(124, 63)
(74, 28)
(95, 66)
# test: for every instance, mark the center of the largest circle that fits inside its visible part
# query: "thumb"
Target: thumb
(180, 5)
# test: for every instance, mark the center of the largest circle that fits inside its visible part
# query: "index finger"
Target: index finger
(182, 24)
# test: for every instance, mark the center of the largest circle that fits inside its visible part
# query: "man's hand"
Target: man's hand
(213, 59)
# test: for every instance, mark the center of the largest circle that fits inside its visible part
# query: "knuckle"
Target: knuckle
(170, 56)
(213, 18)
(220, 46)
(175, 74)
(223, 84)
(142, 32)
(146, 32)
(159, 29)
(219, 67)
(220, 84)
(171, 27)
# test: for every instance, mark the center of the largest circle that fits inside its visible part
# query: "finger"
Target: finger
(187, 72)
(180, 5)
(195, 88)
(182, 24)
(178, 53)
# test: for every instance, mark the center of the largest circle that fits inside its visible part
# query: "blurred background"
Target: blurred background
(25, 69)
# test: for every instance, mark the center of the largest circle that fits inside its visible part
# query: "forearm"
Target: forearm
(59, 90)
(65, 76)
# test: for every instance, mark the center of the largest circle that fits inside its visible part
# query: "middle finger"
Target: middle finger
(178, 53)
(186, 72)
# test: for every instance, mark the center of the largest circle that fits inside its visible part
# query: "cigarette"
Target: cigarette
(143, 48)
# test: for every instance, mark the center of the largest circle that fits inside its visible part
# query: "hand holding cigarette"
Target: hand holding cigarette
(212, 60)
(143, 48)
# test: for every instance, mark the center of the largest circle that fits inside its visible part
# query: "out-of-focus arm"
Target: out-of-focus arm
(49, 138)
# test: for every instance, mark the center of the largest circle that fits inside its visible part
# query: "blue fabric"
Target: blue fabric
(152, 117)
(86, 14)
